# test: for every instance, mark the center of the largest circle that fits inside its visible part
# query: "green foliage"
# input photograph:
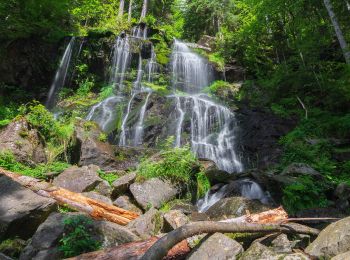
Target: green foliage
(12, 247)
(109, 177)
(160, 89)
(203, 184)
(78, 237)
(8, 162)
(304, 193)
(174, 164)
(103, 137)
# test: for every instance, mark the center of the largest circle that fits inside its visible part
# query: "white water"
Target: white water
(61, 74)
(120, 62)
(104, 113)
(139, 32)
(210, 199)
(213, 126)
(123, 133)
(144, 9)
(139, 129)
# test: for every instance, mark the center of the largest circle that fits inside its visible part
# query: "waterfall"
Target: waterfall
(104, 113)
(151, 66)
(213, 126)
(61, 75)
(144, 9)
(139, 31)
(210, 199)
(123, 133)
(120, 62)
(139, 126)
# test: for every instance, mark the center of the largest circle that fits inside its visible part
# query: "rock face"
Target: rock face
(79, 180)
(21, 210)
(121, 185)
(96, 196)
(147, 225)
(342, 196)
(23, 142)
(175, 219)
(259, 251)
(234, 207)
(45, 242)
(125, 202)
(297, 169)
(332, 241)
(343, 256)
(217, 246)
(153, 192)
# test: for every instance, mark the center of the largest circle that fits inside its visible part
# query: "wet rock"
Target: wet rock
(21, 210)
(121, 185)
(259, 251)
(234, 207)
(185, 207)
(281, 244)
(207, 41)
(342, 196)
(215, 175)
(23, 141)
(4, 257)
(153, 193)
(12, 247)
(174, 219)
(96, 196)
(125, 202)
(297, 169)
(217, 246)
(332, 241)
(147, 225)
(79, 180)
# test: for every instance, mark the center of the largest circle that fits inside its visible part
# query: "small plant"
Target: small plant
(109, 177)
(203, 184)
(102, 137)
(77, 238)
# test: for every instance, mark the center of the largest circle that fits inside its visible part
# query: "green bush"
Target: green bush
(109, 177)
(304, 193)
(203, 184)
(78, 238)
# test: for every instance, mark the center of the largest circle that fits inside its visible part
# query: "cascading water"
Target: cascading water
(212, 125)
(138, 137)
(61, 74)
(123, 133)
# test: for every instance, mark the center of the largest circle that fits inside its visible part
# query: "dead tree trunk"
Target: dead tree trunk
(163, 245)
(338, 31)
(76, 201)
(144, 9)
(121, 8)
(130, 11)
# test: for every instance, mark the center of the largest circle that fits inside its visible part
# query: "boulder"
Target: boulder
(21, 210)
(104, 189)
(217, 246)
(214, 174)
(298, 169)
(121, 185)
(78, 179)
(96, 196)
(332, 241)
(343, 256)
(153, 193)
(4, 257)
(281, 244)
(234, 207)
(342, 196)
(45, 242)
(259, 251)
(147, 225)
(174, 219)
(23, 142)
(125, 202)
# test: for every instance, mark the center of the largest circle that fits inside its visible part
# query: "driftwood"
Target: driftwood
(134, 250)
(164, 244)
(76, 201)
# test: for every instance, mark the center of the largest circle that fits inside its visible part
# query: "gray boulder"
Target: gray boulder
(342, 196)
(147, 225)
(104, 188)
(259, 251)
(217, 246)
(4, 257)
(234, 207)
(78, 179)
(297, 169)
(332, 241)
(96, 196)
(21, 210)
(174, 219)
(281, 244)
(343, 256)
(153, 193)
(125, 202)
(121, 185)
(24, 142)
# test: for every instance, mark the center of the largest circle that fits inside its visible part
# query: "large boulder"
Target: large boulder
(79, 180)
(125, 202)
(332, 241)
(23, 141)
(217, 246)
(153, 193)
(300, 169)
(121, 185)
(234, 207)
(45, 242)
(96, 196)
(21, 210)
(147, 225)
(174, 219)
(259, 251)
(343, 256)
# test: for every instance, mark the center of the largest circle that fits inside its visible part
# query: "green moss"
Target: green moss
(12, 247)
(109, 177)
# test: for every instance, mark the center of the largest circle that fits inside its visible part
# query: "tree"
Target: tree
(144, 9)
(130, 11)
(121, 8)
(338, 30)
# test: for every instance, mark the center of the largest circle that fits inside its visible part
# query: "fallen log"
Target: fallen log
(134, 250)
(76, 201)
(164, 244)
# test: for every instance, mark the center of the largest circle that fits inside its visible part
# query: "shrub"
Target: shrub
(109, 177)
(203, 184)
(78, 238)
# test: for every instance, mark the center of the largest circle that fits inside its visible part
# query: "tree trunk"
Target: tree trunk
(338, 30)
(130, 11)
(144, 9)
(121, 8)
(164, 244)
(134, 250)
(76, 201)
